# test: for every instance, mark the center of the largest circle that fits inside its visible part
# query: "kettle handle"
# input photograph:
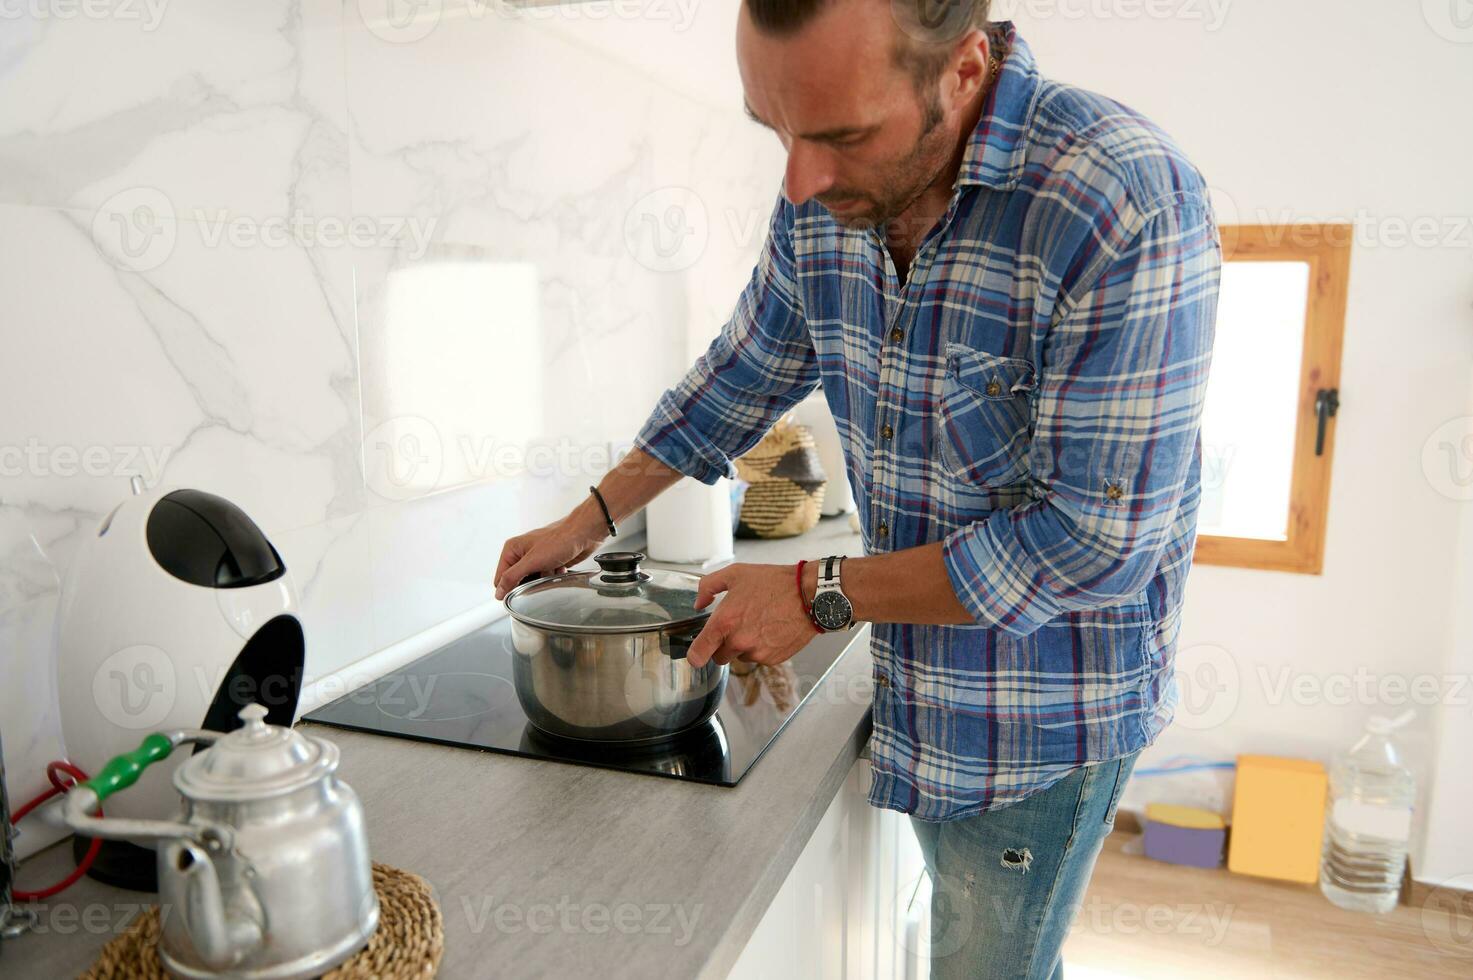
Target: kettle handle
(123, 771)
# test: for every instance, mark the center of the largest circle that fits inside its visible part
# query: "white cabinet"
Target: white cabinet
(853, 906)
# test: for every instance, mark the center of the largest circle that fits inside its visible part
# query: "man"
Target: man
(1007, 287)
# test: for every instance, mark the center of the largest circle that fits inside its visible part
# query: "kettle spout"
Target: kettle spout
(222, 937)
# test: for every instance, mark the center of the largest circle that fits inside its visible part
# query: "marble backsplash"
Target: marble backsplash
(396, 278)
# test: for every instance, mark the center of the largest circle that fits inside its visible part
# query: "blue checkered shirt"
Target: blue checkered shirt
(1031, 397)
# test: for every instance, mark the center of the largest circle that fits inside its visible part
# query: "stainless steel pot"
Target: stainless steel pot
(601, 655)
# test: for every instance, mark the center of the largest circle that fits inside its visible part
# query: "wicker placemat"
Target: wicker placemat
(407, 946)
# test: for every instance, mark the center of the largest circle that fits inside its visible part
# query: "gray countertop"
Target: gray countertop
(553, 870)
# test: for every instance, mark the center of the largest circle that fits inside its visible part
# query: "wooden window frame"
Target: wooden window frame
(1326, 249)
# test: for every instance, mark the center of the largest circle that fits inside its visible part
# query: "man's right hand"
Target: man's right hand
(548, 550)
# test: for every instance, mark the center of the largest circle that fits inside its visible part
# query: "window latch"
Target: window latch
(1326, 404)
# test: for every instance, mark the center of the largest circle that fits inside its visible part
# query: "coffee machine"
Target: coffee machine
(176, 613)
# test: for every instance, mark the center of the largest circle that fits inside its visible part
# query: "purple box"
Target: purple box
(1184, 845)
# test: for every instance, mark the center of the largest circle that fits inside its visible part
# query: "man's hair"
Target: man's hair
(928, 28)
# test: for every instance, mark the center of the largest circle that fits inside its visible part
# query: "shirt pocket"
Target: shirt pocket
(984, 414)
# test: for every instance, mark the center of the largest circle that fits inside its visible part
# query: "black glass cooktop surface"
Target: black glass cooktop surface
(463, 695)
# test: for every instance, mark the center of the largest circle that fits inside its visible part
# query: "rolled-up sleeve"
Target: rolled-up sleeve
(1122, 379)
(760, 365)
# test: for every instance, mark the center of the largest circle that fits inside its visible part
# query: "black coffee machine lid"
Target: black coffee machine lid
(206, 540)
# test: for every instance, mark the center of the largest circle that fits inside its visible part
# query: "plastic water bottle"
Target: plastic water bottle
(1369, 823)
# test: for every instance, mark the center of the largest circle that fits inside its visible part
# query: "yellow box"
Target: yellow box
(1278, 818)
(1188, 817)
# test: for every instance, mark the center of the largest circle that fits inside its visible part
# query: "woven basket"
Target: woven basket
(407, 946)
(787, 484)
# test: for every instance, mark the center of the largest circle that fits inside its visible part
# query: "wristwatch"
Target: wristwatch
(832, 610)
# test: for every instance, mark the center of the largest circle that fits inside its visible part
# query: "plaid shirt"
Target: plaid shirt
(1031, 397)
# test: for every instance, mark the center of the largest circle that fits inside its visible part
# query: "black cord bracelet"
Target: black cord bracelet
(608, 518)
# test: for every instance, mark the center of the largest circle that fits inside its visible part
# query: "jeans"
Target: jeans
(1006, 884)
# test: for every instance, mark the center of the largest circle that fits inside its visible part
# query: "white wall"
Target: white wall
(1448, 855)
(1335, 111)
(532, 153)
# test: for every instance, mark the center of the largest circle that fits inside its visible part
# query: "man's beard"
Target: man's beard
(906, 181)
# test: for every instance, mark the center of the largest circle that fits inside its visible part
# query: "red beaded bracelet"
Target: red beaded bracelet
(803, 601)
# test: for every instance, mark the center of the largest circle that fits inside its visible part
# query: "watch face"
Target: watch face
(832, 610)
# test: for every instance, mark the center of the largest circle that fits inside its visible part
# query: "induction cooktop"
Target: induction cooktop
(463, 695)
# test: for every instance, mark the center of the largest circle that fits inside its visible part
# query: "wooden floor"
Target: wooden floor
(1143, 919)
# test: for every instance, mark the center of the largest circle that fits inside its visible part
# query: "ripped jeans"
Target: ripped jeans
(1006, 884)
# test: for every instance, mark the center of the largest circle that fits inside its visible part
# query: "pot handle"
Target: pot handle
(679, 643)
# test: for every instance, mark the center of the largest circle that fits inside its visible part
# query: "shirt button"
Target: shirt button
(993, 389)
(883, 530)
(1114, 491)
(887, 432)
(897, 335)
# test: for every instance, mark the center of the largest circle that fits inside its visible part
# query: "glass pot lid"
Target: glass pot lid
(620, 597)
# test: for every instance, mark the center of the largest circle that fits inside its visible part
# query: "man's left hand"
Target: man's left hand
(762, 620)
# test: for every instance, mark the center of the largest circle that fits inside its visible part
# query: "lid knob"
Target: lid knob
(621, 566)
(256, 761)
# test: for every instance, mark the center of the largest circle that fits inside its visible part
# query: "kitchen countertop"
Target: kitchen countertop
(550, 870)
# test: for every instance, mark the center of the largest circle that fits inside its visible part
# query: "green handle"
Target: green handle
(123, 771)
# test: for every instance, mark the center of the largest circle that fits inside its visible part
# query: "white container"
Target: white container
(140, 649)
(690, 524)
(1368, 826)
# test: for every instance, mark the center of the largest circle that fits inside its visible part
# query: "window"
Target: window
(1267, 427)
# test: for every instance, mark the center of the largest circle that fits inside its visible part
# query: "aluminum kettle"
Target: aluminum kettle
(266, 874)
